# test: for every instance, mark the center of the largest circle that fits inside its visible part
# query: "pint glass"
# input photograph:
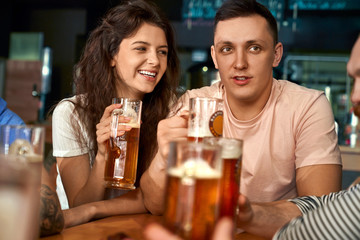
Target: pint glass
(206, 118)
(192, 193)
(21, 159)
(122, 151)
(230, 180)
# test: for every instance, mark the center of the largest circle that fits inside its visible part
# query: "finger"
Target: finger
(156, 232)
(124, 119)
(108, 110)
(122, 129)
(184, 114)
(174, 133)
(223, 229)
(244, 203)
(103, 137)
(174, 122)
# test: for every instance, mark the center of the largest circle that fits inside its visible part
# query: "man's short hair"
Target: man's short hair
(244, 8)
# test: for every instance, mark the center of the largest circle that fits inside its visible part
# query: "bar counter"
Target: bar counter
(106, 228)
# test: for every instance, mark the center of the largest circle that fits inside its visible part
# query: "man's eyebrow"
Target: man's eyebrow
(222, 43)
(226, 42)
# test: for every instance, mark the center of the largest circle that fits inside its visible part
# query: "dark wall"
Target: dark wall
(327, 31)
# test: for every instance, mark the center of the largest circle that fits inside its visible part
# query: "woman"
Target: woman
(130, 54)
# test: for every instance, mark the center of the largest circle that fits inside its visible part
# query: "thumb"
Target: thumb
(223, 229)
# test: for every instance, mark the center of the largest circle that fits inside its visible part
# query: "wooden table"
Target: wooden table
(132, 225)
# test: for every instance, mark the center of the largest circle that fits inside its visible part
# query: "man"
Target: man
(333, 216)
(290, 144)
(51, 216)
(7, 116)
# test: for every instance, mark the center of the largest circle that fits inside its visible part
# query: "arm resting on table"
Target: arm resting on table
(264, 219)
(129, 203)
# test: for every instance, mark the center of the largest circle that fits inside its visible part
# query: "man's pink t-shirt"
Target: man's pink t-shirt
(295, 129)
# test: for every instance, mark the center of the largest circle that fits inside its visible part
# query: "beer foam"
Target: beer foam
(231, 151)
(197, 168)
(130, 113)
(131, 124)
(200, 132)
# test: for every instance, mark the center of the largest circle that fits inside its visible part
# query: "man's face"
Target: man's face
(244, 53)
(353, 69)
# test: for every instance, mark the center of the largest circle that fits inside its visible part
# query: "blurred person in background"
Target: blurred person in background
(7, 116)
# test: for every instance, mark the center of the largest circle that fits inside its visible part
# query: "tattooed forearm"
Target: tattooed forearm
(51, 216)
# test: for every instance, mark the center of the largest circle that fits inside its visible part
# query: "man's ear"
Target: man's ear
(278, 54)
(213, 56)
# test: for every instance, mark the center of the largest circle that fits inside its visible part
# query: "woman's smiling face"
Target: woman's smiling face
(141, 61)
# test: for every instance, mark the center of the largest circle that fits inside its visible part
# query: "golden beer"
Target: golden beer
(121, 164)
(230, 184)
(192, 199)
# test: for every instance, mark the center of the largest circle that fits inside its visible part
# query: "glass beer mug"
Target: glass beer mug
(193, 189)
(231, 155)
(122, 151)
(206, 118)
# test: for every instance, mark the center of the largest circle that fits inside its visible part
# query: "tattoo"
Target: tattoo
(51, 215)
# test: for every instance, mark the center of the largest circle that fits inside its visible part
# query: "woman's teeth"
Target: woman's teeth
(151, 74)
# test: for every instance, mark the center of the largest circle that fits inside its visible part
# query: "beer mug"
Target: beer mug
(206, 118)
(122, 151)
(230, 181)
(192, 192)
(21, 159)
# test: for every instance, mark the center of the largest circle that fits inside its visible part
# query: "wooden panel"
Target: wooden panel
(350, 158)
(21, 76)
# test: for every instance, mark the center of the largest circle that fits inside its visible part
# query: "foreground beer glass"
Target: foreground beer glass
(18, 201)
(21, 158)
(192, 193)
(206, 118)
(230, 181)
(122, 151)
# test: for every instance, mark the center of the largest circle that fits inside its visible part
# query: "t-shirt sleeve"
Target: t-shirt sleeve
(65, 142)
(316, 139)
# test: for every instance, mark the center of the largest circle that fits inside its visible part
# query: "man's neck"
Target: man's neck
(247, 110)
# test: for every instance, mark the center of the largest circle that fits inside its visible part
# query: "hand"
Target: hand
(245, 211)
(223, 231)
(172, 129)
(103, 128)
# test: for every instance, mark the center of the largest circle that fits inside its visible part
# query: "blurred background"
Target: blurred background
(41, 40)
